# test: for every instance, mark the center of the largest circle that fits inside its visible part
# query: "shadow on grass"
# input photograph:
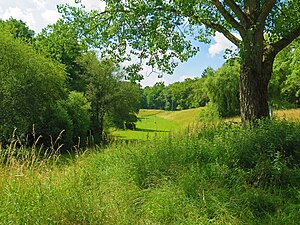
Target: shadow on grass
(149, 130)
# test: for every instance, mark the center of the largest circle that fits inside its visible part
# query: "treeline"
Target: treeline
(54, 88)
(220, 89)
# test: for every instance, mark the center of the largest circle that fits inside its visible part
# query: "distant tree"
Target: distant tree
(126, 104)
(17, 28)
(157, 95)
(199, 95)
(223, 88)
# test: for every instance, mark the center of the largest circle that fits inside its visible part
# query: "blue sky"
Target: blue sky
(39, 13)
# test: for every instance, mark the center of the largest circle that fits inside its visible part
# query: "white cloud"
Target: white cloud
(40, 3)
(51, 16)
(89, 4)
(94, 4)
(221, 43)
(17, 13)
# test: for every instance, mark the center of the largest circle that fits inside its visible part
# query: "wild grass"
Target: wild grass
(221, 174)
(286, 114)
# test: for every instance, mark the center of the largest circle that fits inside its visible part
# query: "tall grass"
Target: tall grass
(221, 174)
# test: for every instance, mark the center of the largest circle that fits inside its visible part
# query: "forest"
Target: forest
(82, 142)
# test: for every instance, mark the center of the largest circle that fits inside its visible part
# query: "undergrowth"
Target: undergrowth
(221, 174)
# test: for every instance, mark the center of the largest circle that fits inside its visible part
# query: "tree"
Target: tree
(223, 88)
(156, 31)
(17, 28)
(126, 104)
(30, 85)
(78, 109)
(100, 86)
(59, 42)
(285, 84)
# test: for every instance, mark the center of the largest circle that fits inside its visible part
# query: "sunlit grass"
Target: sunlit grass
(220, 175)
(158, 123)
(287, 114)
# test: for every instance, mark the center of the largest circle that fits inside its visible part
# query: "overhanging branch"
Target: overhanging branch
(222, 30)
(207, 23)
(230, 19)
(266, 9)
(236, 9)
(285, 41)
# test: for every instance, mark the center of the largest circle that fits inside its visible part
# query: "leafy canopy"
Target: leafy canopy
(157, 31)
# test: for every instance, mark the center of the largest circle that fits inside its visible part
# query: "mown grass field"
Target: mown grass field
(220, 174)
(159, 123)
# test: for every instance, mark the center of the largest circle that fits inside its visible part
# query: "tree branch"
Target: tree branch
(267, 7)
(222, 30)
(236, 9)
(200, 20)
(208, 23)
(285, 41)
(228, 17)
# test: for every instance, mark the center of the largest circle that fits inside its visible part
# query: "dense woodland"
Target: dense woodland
(52, 86)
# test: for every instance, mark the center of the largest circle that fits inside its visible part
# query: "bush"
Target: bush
(78, 109)
(57, 128)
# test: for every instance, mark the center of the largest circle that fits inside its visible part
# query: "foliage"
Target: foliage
(78, 109)
(17, 28)
(223, 89)
(211, 176)
(30, 85)
(57, 127)
(285, 82)
(59, 42)
(126, 104)
(112, 100)
(156, 32)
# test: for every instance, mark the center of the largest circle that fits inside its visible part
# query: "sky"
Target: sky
(39, 13)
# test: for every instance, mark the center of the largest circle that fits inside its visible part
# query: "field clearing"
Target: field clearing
(153, 123)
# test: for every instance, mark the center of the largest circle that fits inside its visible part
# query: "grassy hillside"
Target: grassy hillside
(154, 123)
(160, 123)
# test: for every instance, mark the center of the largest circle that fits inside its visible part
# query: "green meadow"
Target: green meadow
(159, 123)
(217, 173)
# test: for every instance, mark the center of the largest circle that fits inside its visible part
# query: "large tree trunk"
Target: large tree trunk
(256, 70)
(253, 93)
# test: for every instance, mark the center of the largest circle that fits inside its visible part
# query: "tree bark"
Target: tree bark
(253, 93)
(255, 74)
